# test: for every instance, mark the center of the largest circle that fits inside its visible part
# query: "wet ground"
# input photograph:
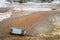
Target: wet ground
(35, 24)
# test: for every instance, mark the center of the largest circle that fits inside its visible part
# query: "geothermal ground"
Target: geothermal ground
(35, 24)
